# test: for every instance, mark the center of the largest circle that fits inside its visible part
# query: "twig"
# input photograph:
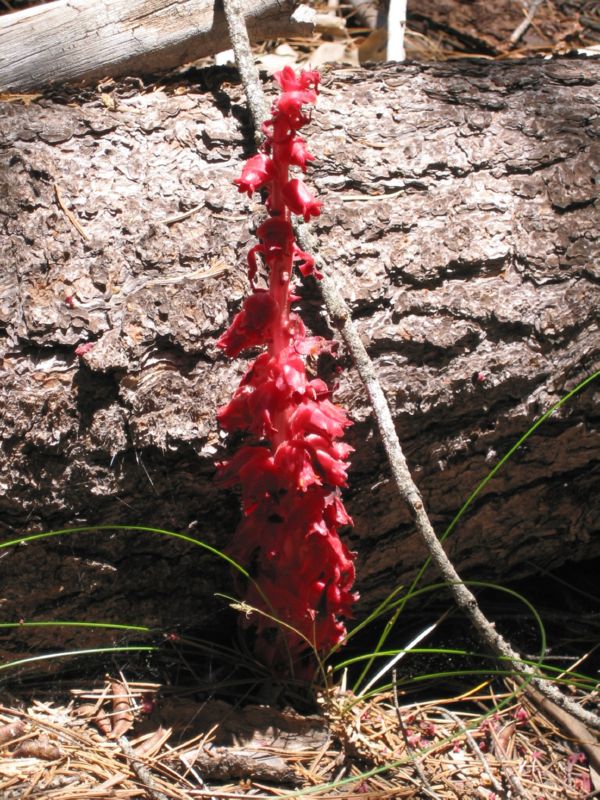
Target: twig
(340, 316)
(142, 772)
(181, 216)
(522, 26)
(240, 41)
(472, 743)
(409, 749)
(69, 214)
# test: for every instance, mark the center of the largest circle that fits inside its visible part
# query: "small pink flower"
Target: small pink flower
(147, 705)
(82, 349)
(521, 714)
(428, 729)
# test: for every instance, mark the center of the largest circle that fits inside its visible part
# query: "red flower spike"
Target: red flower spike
(293, 464)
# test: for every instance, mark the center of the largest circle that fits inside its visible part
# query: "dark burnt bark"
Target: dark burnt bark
(461, 222)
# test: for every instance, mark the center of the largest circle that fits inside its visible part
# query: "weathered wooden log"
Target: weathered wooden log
(63, 42)
(461, 221)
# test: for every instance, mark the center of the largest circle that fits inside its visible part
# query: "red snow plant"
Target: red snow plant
(292, 465)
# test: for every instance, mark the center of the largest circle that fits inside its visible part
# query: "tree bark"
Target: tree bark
(460, 218)
(64, 42)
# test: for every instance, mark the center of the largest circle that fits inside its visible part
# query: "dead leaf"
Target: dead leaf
(122, 716)
(149, 746)
(38, 748)
(374, 47)
(333, 53)
(108, 101)
(11, 731)
(26, 99)
(283, 56)
(505, 736)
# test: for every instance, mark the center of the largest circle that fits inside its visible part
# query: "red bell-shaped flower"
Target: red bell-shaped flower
(289, 81)
(299, 154)
(252, 325)
(255, 174)
(300, 199)
(277, 236)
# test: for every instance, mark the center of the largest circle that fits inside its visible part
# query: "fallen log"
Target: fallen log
(461, 220)
(65, 42)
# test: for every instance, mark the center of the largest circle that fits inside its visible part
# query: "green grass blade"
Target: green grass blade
(70, 653)
(75, 624)
(33, 537)
(461, 512)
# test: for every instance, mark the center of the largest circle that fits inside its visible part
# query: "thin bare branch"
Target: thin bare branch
(240, 41)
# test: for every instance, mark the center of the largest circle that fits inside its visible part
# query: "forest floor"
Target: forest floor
(125, 738)
(200, 719)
